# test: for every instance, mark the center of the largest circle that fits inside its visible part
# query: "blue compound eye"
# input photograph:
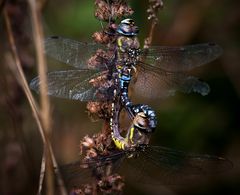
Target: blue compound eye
(127, 28)
(128, 21)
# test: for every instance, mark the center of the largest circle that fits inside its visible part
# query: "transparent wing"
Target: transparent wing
(153, 165)
(180, 59)
(160, 165)
(75, 176)
(75, 85)
(77, 173)
(74, 53)
(156, 83)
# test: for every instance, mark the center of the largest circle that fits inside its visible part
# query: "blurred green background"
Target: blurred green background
(191, 123)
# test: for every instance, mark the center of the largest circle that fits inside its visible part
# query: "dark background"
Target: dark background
(192, 123)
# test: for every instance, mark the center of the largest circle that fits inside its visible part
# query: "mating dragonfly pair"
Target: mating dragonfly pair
(102, 74)
(105, 74)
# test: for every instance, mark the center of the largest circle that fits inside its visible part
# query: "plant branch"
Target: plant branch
(44, 99)
(154, 6)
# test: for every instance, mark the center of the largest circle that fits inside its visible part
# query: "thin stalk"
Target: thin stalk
(154, 7)
(42, 172)
(19, 74)
(44, 100)
(151, 32)
(41, 62)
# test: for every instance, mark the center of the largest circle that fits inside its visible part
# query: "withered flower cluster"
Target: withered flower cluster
(101, 143)
(154, 6)
(112, 9)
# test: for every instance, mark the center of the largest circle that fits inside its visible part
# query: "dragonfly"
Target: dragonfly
(103, 73)
(161, 70)
(148, 164)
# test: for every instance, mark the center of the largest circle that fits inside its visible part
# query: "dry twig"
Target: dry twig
(44, 99)
(154, 6)
(19, 74)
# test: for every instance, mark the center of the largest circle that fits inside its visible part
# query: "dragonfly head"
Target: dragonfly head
(145, 118)
(127, 27)
(142, 123)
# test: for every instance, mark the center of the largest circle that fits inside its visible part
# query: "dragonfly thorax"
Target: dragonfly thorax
(128, 50)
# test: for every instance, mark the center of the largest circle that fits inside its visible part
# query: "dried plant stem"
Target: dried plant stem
(150, 35)
(44, 100)
(42, 171)
(19, 74)
(18, 71)
(154, 6)
(41, 62)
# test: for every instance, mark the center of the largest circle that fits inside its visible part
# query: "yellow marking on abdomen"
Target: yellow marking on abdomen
(119, 144)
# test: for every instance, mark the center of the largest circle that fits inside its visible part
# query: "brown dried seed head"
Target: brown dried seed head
(99, 110)
(99, 81)
(102, 11)
(95, 61)
(106, 36)
(113, 10)
(84, 165)
(77, 191)
(93, 107)
(98, 37)
(123, 10)
(88, 189)
(154, 6)
(114, 183)
(99, 59)
(101, 37)
(91, 153)
(103, 142)
(87, 142)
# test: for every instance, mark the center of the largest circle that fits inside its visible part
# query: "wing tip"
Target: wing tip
(204, 89)
(53, 37)
(34, 84)
(217, 50)
(195, 85)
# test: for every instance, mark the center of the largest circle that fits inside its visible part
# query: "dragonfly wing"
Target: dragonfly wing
(78, 173)
(161, 84)
(75, 176)
(160, 165)
(75, 85)
(187, 163)
(155, 165)
(180, 59)
(74, 53)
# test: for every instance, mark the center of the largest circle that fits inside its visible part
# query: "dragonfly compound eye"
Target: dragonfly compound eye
(146, 112)
(127, 28)
(128, 21)
(140, 121)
